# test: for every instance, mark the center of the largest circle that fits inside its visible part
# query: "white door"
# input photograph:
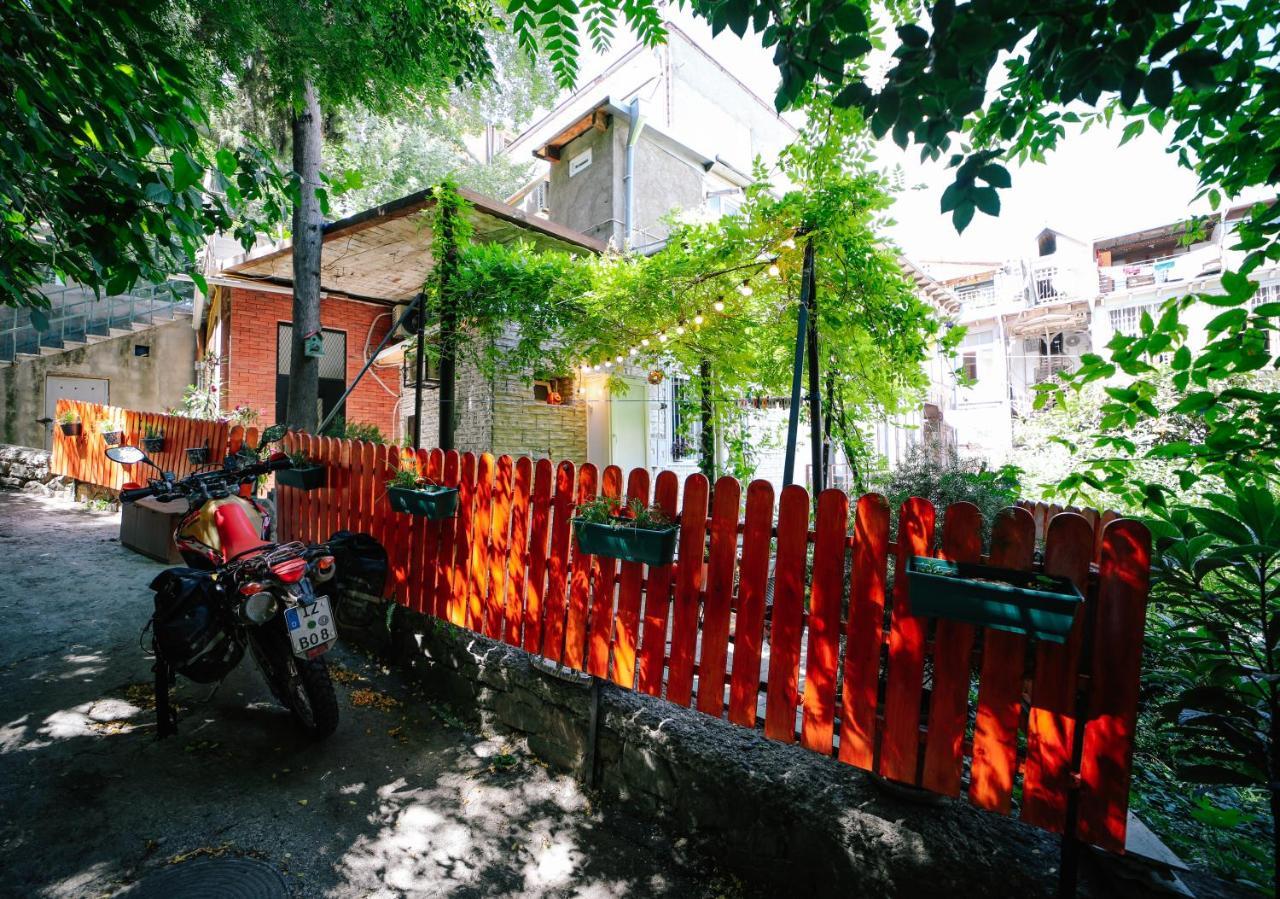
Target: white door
(89, 390)
(628, 414)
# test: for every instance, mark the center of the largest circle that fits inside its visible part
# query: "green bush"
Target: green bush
(942, 476)
(354, 430)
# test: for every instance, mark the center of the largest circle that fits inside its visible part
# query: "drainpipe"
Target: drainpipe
(628, 173)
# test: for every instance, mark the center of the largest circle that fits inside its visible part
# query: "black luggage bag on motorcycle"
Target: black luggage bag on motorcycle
(360, 577)
(189, 633)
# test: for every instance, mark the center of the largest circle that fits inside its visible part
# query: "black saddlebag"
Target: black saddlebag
(190, 633)
(361, 565)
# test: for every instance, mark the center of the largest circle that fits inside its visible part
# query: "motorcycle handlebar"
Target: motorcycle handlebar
(137, 493)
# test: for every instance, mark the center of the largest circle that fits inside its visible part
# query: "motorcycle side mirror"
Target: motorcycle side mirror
(273, 434)
(126, 455)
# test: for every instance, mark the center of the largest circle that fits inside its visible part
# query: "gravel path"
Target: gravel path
(399, 802)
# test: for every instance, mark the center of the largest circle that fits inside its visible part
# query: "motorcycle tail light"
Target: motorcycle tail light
(251, 588)
(290, 572)
(324, 568)
(259, 608)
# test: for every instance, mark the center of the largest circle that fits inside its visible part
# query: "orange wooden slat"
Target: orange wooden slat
(600, 624)
(1124, 574)
(544, 474)
(424, 537)
(459, 609)
(900, 744)
(1046, 778)
(517, 550)
(581, 567)
(952, 663)
(818, 722)
(657, 600)
(631, 581)
(721, 557)
(481, 522)
(554, 610)
(443, 589)
(865, 631)
(788, 614)
(995, 731)
(499, 534)
(748, 630)
(689, 578)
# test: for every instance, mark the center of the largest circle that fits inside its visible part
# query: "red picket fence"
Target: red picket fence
(82, 457)
(836, 662)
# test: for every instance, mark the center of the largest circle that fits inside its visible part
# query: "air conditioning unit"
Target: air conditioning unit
(1073, 340)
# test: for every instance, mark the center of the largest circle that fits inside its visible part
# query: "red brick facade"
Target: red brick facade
(251, 354)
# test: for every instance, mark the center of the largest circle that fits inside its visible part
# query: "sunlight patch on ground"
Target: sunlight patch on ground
(85, 720)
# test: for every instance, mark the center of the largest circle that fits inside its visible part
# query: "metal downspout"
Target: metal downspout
(628, 174)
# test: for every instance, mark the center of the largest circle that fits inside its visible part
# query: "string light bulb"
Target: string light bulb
(679, 329)
(644, 342)
(719, 306)
(789, 243)
(618, 359)
(634, 351)
(774, 271)
(697, 319)
(662, 338)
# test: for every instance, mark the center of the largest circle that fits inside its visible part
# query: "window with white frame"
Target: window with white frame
(1126, 321)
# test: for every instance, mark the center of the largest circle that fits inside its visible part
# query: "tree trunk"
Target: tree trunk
(815, 386)
(707, 441)
(304, 372)
(445, 266)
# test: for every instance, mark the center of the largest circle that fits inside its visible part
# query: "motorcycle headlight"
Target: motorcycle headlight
(259, 608)
(323, 569)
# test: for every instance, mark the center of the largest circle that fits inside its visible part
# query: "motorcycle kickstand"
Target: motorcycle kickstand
(166, 715)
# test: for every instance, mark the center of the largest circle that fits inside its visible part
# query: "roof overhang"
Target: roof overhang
(384, 254)
(1039, 320)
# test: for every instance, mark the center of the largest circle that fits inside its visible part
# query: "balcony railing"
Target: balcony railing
(1161, 270)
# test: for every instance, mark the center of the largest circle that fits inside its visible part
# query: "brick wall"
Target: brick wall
(251, 351)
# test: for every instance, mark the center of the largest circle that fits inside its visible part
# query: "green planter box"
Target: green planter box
(72, 428)
(112, 438)
(1020, 601)
(153, 444)
(308, 477)
(429, 502)
(627, 543)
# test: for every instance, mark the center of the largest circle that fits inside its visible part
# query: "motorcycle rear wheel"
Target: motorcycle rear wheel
(310, 697)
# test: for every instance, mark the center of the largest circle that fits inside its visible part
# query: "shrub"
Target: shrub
(942, 476)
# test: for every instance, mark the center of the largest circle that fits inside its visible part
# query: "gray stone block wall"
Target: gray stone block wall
(26, 469)
(780, 817)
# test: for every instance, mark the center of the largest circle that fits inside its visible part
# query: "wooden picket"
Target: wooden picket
(877, 693)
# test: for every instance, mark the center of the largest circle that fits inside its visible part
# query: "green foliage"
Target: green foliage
(106, 177)
(634, 514)
(942, 476)
(151, 432)
(70, 417)
(554, 26)
(405, 478)
(353, 430)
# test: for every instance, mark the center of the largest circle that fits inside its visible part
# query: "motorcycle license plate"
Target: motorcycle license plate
(311, 628)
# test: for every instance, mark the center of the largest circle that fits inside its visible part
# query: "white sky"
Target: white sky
(1090, 187)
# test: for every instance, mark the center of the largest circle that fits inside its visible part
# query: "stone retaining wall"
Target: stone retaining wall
(777, 816)
(27, 469)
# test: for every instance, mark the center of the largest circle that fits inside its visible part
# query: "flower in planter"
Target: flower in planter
(635, 514)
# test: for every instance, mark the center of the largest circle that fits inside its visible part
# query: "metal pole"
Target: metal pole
(342, 400)
(420, 373)
(815, 389)
(802, 329)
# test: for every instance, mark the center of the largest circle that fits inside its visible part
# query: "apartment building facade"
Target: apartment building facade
(1034, 315)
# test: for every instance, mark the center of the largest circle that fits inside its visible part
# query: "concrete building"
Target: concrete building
(663, 130)
(1036, 314)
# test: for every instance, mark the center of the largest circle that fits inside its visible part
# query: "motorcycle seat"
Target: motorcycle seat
(239, 539)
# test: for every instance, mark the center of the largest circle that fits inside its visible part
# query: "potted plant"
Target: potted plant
(111, 434)
(152, 439)
(70, 423)
(413, 494)
(634, 533)
(306, 474)
(1025, 602)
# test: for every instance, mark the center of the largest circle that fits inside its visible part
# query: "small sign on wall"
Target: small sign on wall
(579, 162)
(313, 345)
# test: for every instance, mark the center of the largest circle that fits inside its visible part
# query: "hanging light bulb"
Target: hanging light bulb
(662, 338)
(762, 257)
(634, 351)
(586, 368)
(608, 364)
(697, 319)
(618, 359)
(789, 244)
(774, 271)
(644, 342)
(679, 329)
(719, 306)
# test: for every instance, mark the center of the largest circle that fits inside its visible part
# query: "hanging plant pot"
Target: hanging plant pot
(197, 455)
(429, 502)
(630, 544)
(308, 477)
(72, 428)
(112, 438)
(1023, 602)
(153, 444)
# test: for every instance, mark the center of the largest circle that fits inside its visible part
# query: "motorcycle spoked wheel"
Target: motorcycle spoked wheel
(303, 686)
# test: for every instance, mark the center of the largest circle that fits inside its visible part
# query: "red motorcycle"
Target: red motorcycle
(241, 589)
